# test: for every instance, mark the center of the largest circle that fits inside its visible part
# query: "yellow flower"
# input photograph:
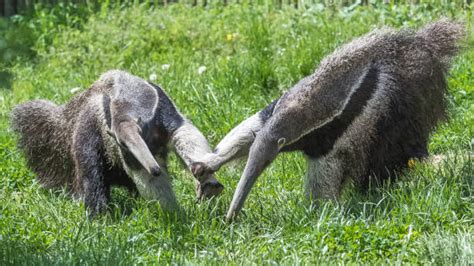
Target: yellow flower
(229, 37)
(411, 163)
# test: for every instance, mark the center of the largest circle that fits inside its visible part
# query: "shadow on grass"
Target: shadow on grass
(408, 185)
(18, 253)
(124, 205)
(6, 80)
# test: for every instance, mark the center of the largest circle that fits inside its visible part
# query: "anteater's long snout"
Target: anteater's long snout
(129, 136)
(262, 152)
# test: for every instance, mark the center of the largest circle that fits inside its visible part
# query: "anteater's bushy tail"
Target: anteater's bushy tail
(41, 136)
(442, 38)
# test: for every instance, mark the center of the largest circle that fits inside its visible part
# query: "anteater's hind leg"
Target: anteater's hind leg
(88, 159)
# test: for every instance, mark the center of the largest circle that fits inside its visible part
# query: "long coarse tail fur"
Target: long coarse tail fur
(428, 62)
(42, 134)
(442, 38)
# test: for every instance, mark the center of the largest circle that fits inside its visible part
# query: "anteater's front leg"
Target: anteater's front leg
(87, 150)
(191, 146)
(234, 145)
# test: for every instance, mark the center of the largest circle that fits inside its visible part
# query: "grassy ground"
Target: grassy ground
(251, 55)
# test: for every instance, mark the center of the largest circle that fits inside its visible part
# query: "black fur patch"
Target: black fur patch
(320, 141)
(267, 112)
(166, 113)
(116, 176)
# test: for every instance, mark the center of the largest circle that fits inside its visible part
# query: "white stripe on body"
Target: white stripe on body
(332, 116)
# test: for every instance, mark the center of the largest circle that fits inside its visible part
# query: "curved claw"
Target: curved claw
(209, 189)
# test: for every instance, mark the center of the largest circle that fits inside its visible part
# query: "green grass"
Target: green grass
(426, 217)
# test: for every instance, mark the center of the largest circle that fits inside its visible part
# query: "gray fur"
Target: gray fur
(115, 133)
(368, 108)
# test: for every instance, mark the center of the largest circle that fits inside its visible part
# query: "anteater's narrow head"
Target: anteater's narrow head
(132, 108)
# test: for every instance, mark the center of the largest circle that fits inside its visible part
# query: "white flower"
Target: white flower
(165, 66)
(152, 77)
(201, 69)
(74, 90)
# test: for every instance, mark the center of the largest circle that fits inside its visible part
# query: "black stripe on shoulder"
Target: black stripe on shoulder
(267, 112)
(320, 141)
(166, 112)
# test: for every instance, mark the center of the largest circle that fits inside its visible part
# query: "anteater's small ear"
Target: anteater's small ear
(281, 143)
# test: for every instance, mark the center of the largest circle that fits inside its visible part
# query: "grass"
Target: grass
(251, 54)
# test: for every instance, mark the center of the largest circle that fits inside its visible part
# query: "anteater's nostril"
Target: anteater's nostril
(155, 171)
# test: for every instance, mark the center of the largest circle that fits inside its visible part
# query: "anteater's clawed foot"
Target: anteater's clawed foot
(208, 189)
